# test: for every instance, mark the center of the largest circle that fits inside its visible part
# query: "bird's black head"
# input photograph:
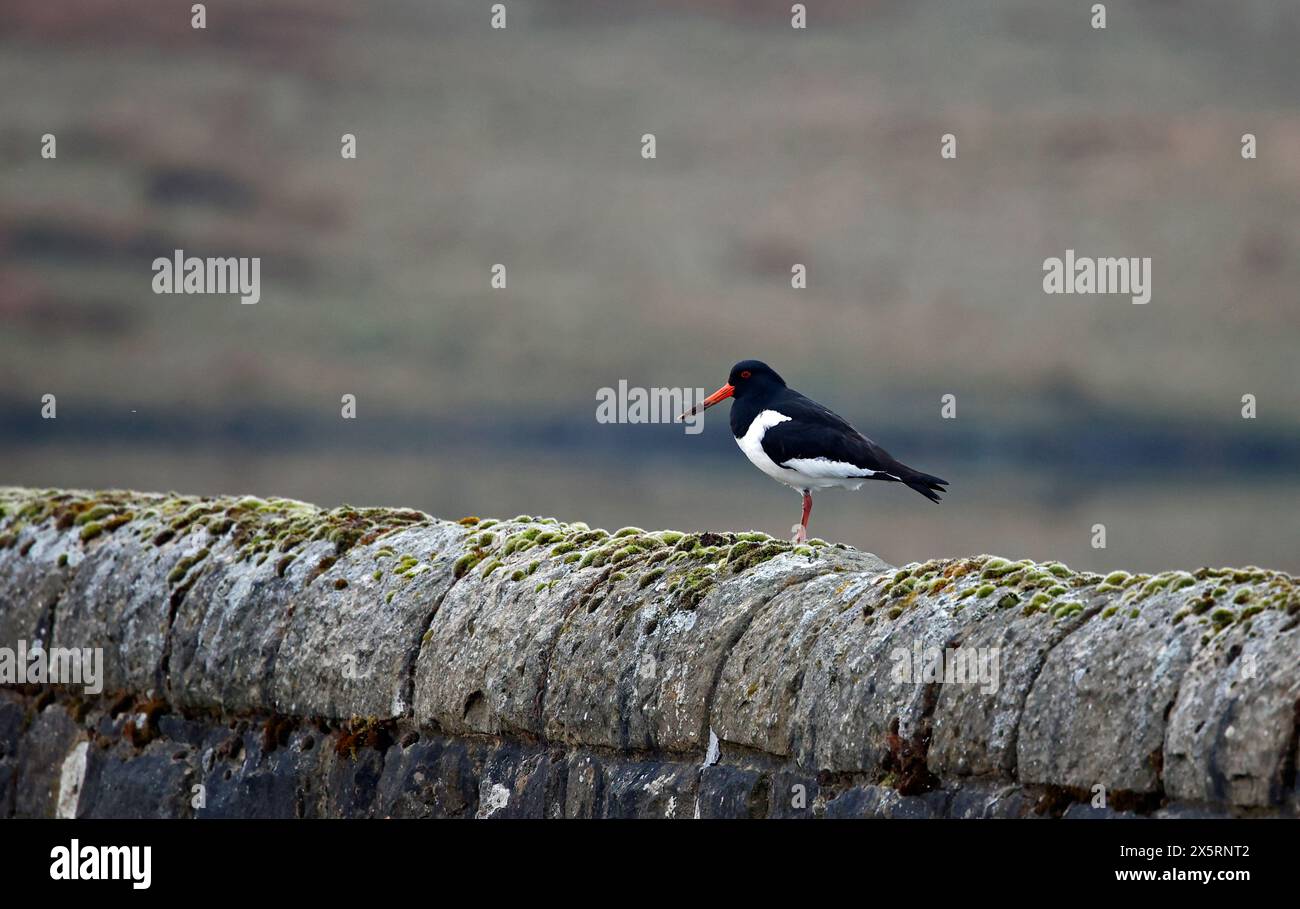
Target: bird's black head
(752, 378)
(749, 379)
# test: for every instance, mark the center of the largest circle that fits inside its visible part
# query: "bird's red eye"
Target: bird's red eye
(744, 373)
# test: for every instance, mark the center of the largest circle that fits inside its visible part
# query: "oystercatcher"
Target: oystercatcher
(798, 442)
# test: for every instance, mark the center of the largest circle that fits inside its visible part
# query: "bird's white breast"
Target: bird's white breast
(751, 443)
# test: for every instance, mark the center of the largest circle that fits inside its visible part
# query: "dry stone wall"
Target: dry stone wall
(270, 658)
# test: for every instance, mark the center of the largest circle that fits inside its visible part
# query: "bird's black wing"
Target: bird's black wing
(814, 431)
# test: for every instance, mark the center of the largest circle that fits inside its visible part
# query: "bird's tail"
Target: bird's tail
(927, 485)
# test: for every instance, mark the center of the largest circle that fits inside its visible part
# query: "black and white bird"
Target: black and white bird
(798, 442)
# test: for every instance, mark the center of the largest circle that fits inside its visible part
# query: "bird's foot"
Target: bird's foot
(800, 534)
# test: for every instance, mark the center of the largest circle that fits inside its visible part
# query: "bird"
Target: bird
(806, 446)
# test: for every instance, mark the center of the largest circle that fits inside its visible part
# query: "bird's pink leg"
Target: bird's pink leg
(801, 529)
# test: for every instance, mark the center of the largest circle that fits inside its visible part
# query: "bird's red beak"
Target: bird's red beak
(721, 394)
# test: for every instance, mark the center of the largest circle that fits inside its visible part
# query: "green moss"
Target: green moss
(117, 521)
(91, 530)
(984, 590)
(492, 566)
(650, 577)
(220, 525)
(466, 563)
(628, 532)
(996, 568)
(754, 555)
(184, 565)
(1250, 611)
(1221, 618)
(1008, 600)
(1065, 610)
(94, 514)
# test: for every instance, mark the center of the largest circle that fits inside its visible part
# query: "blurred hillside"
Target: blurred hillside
(774, 147)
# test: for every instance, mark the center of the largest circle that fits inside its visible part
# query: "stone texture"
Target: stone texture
(637, 667)
(247, 774)
(127, 783)
(42, 753)
(975, 728)
(36, 567)
(227, 631)
(858, 710)
(1096, 712)
(434, 777)
(486, 656)
(348, 650)
(121, 600)
(730, 792)
(1232, 732)
(764, 672)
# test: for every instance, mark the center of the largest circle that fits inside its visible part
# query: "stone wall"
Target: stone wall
(269, 658)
